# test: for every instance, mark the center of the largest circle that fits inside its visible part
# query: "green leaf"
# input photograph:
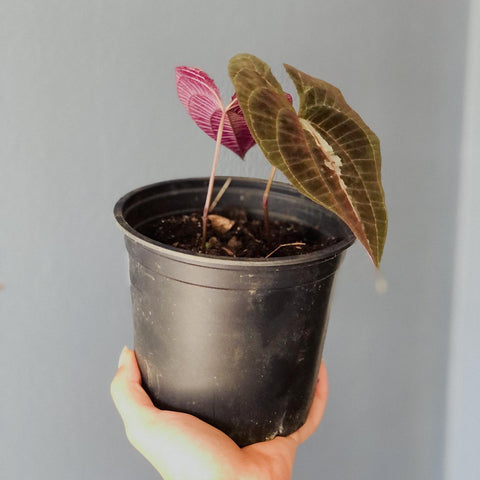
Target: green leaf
(326, 150)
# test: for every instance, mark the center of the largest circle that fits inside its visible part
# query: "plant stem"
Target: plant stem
(206, 208)
(220, 194)
(266, 195)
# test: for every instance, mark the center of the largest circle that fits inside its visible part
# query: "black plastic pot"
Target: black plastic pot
(237, 343)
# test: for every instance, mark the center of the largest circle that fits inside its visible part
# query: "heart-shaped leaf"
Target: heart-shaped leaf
(326, 150)
(201, 98)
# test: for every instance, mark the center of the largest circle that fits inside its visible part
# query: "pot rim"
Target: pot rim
(185, 256)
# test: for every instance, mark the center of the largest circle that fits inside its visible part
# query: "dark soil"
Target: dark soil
(233, 233)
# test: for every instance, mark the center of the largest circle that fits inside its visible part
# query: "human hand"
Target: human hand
(183, 447)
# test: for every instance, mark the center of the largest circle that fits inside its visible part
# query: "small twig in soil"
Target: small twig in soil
(294, 244)
(220, 194)
(252, 236)
(228, 251)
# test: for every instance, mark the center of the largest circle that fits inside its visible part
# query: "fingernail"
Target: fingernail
(123, 357)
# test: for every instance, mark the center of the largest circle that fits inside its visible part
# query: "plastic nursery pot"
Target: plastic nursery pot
(235, 342)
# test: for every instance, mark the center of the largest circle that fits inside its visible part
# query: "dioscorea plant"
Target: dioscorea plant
(326, 150)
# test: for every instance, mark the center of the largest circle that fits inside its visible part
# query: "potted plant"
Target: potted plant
(236, 340)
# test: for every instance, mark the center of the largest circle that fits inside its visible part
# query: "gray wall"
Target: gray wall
(88, 111)
(463, 414)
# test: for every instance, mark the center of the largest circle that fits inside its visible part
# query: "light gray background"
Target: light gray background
(88, 111)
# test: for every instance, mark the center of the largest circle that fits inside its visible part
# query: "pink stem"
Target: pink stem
(208, 200)
(266, 195)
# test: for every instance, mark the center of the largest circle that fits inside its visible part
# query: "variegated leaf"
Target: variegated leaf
(326, 150)
(201, 98)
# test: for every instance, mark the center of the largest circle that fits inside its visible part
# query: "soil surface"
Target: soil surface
(232, 233)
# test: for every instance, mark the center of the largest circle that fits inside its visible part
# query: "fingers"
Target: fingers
(129, 397)
(317, 409)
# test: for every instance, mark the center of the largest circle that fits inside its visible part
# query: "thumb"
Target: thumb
(130, 398)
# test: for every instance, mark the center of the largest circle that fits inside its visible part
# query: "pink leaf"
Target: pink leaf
(201, 98)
